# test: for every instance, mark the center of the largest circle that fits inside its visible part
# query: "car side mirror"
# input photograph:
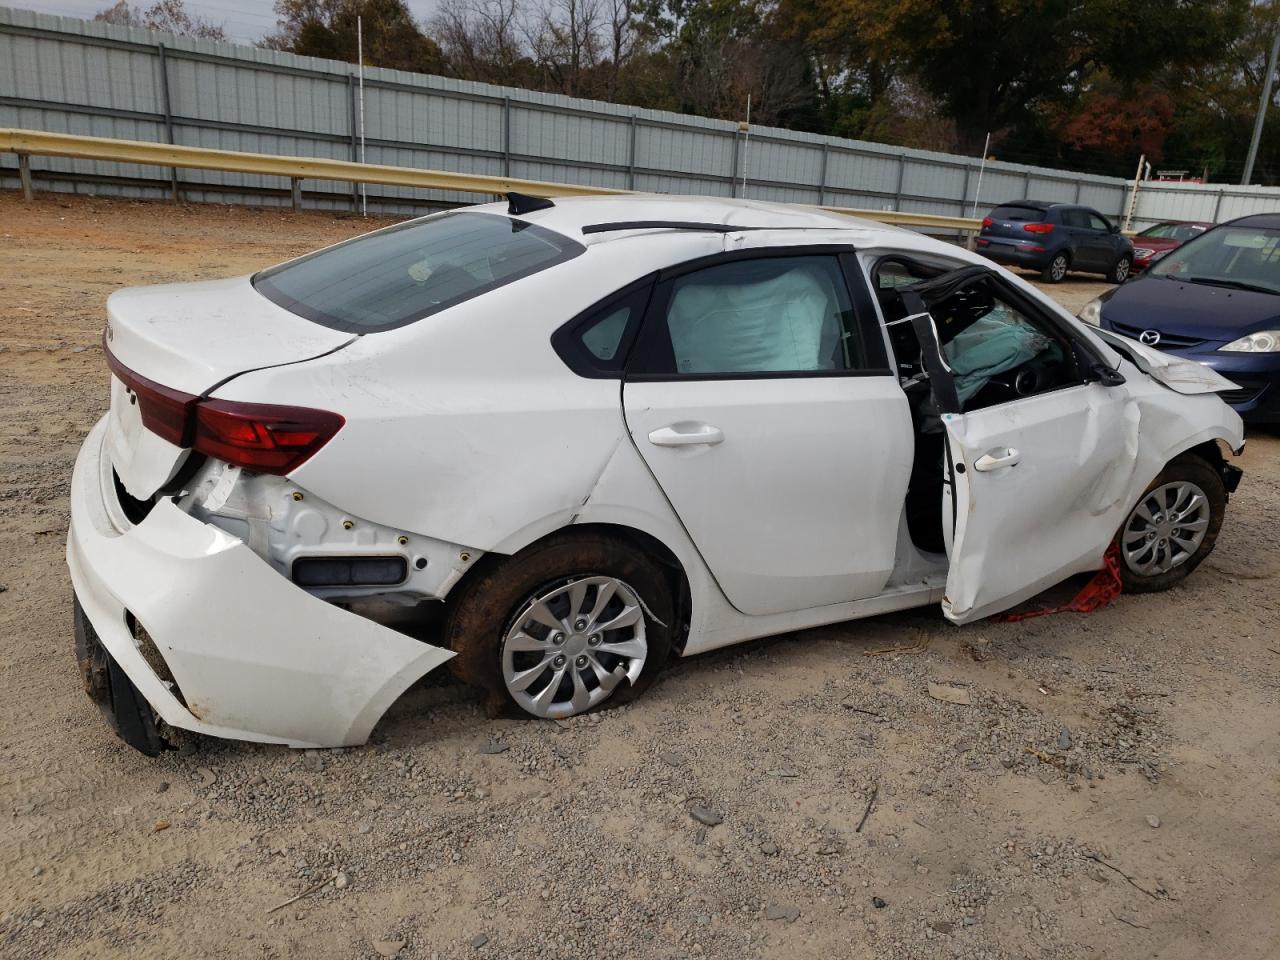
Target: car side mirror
(1114, 228)
(1107, 376)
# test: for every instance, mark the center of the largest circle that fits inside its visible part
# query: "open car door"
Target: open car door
(1041, 440)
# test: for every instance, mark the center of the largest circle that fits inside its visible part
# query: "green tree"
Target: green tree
(327, 28)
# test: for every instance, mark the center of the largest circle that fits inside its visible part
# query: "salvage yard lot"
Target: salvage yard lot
(1108, 790)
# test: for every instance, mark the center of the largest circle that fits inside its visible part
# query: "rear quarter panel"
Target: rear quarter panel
(467, 426)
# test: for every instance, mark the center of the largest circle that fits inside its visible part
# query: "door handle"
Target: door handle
(686, 434)
(1008, 457)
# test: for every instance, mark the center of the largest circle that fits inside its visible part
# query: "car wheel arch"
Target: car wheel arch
(652, 547)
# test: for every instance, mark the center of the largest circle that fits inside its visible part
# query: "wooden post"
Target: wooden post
(24, 174)
(295, 191)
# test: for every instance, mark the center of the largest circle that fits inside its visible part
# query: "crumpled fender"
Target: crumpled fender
(1176, 373)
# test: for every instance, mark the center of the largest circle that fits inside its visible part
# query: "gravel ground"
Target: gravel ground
(1108, 790)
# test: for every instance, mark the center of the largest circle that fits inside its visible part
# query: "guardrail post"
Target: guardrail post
(168, 117)
(24, 174)
(295, 192)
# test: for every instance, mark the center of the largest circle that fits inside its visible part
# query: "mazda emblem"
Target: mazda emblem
(1149, 337)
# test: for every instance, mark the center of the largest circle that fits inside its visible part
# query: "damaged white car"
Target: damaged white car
(559, 443)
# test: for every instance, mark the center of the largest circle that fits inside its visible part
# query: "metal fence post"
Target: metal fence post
(506, 136)
(631, 155)
(737, 156)
(1078, 186)
(1217, 206)
(897, 192)
(822, 178)
(1026, 185)
(24, 174)
(964, 191)
(166, 105)
(355, 139)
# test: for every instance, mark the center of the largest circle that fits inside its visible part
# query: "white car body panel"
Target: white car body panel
(1051, 512)
(256, 657)
(467, 434)
(797, 505)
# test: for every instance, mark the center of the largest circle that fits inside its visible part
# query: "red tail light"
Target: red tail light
(986, 222)
(165, 412)
(263, 437)
(1038, 227)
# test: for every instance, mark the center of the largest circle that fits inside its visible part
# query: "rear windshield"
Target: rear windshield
(404, 273)
(1011, 211)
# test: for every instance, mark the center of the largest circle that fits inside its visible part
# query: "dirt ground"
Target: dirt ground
(1109, 791)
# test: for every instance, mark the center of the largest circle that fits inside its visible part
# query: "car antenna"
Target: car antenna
(519, 204)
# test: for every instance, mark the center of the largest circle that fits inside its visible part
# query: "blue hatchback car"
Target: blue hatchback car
(1216, 300)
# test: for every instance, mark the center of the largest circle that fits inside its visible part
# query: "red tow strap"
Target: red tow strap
(1097, 593)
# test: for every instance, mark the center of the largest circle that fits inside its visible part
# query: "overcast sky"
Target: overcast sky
(244, 20)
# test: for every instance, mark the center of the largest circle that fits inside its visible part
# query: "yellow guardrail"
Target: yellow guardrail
(29, 143)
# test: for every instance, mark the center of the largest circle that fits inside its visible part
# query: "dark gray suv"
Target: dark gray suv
(1054, 238)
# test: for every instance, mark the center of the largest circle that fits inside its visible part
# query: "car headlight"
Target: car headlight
(1142, 252)
(1092, 312)
(1264, 341)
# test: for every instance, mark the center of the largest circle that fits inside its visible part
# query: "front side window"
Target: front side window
(1240, 257)
(410, 271)
(1075, 218)
(1097, 223)
(763, 316)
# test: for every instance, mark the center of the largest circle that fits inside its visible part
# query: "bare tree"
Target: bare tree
(170, 16)
(482, 40)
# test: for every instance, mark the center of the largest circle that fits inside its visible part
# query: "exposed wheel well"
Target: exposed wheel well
(651, 546)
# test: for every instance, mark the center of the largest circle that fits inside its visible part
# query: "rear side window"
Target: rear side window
(1012, 211)
(784, 315)
(410, 271)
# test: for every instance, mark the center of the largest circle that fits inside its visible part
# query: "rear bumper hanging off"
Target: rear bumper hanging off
(254, 656)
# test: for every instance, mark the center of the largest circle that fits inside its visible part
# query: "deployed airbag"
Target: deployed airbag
(787, 322)
(990, 346)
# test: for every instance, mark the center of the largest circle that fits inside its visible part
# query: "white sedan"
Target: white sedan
(559, 443)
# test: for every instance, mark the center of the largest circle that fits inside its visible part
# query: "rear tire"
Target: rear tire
(1157, 549)
(1056, 271)
(498, 626)
(1120, 272)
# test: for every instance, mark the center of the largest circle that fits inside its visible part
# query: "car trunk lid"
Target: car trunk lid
(170, 345)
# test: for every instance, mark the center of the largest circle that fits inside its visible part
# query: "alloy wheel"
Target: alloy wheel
(1121, 272)
(572, 644)
(1165, 529)
(1058, 269)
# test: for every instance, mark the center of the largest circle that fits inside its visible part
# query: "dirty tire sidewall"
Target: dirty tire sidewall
(479, 617)
(1202, 474)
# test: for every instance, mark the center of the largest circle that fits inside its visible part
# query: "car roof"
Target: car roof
(570, 215)
(1258, 220)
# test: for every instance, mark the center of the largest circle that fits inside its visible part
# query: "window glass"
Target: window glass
(1097, 223)
(1075, 218)
(412, 270)
(774, 315)
(1012, 211)
(1241, 256)
(603, 339)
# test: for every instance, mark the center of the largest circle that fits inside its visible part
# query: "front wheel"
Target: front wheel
(1120, 272)
(1173, 527)
(566, 626)
(1057, 269)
